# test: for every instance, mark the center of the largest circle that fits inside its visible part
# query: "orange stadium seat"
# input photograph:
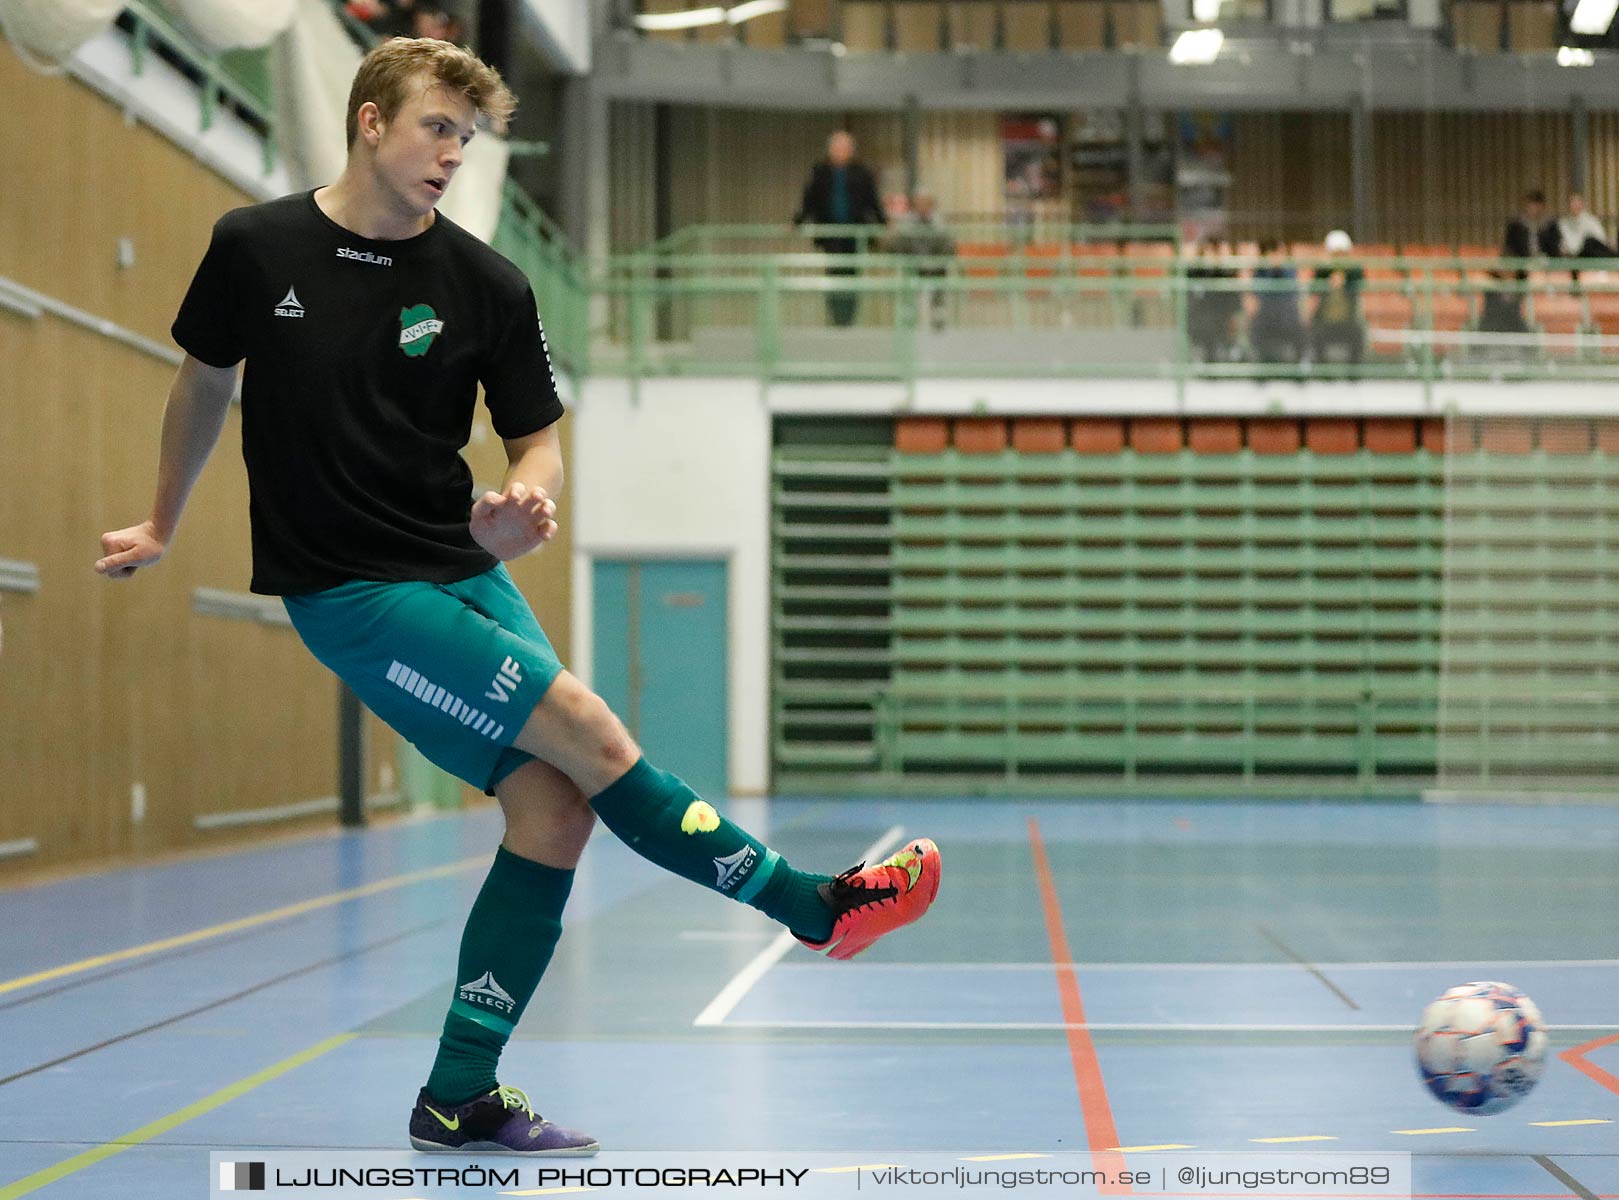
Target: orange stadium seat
(1042, 258)
(1387, 313)
(1561, 316)
(989, 254)
(1605, 312)
(1095, 251)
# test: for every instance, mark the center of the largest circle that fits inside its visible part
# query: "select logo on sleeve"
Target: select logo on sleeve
(419, 326)
(241, 1177)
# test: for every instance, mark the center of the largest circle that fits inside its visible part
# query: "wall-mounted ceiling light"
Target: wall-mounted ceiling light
(696, 18)
(1197, 46)
(1572, 56)
(1592, 17)
(1206, 11)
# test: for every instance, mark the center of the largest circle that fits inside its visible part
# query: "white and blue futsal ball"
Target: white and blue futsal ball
(1481, 1047)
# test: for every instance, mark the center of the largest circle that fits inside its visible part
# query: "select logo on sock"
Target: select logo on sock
(734, 868)
(485, 991)
(241, 1177)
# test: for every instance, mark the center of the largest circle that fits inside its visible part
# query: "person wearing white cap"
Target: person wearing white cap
(1338, 332)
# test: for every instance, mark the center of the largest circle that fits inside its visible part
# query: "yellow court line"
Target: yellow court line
(1000, 1157)
(1111, 1150)
(1408, 1132)
(1310, 1137)
(1585, 1121)
(163, 1124)
(263, 918)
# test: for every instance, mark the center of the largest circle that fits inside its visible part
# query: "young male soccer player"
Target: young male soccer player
(367, 320)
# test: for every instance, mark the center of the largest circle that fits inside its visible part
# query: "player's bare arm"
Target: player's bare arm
(522, 516)
(199, 399)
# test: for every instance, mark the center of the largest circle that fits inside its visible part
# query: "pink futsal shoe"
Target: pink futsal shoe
(868, 902)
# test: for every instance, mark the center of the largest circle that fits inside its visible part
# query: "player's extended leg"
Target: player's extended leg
(660, 818)
(505, 948)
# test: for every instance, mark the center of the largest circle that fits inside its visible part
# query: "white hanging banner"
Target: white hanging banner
(47, 32)
(473, 201)
(236, 24)
(312, 65)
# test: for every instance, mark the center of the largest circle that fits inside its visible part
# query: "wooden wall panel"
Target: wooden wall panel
(1449, 177)
(1532, 25)
(1602, 184)
(810, 18)
(1437, 177)
(766, 32)
(918, 27)
(91, 180)
(1081, 24)
(960, 161)
(631, 166)
(863, 25)
(1026, 25)
(971, 25)
(1290, 175)
(205, 714)
(1137, 23)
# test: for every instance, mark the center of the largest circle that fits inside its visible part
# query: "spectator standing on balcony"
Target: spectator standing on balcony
(1277, 331)
(1338, 331)
(1581, 235)
(840, 191)
(1212, 310)
(922, 235)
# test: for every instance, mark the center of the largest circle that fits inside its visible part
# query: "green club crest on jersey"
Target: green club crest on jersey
(418, 327)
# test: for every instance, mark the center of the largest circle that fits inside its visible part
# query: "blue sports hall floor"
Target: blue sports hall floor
(1170, 978)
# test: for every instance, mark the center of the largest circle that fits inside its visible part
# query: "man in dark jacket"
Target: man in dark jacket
(1530, 234)
(840, 191)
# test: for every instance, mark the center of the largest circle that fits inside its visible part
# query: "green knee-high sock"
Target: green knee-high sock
(655, 814)
(510, 934)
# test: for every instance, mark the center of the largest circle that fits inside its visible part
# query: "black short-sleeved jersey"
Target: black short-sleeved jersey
(363, 362)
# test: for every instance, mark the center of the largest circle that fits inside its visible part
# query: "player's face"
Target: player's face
(420, 149)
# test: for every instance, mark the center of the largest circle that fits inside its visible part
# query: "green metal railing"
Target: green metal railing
(241, 77)
(1084, 310)
(757, 238)
(533, 241)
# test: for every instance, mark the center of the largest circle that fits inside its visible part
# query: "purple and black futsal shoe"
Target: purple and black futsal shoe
(501, 1122)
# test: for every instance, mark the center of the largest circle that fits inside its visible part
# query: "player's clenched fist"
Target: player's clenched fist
(125, 551)
(511, 523)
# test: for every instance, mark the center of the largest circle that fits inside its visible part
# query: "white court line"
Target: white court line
(731, 994)
(1462, 964)
(1111, 1026)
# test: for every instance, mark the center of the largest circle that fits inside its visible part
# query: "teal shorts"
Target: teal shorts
(456, 668)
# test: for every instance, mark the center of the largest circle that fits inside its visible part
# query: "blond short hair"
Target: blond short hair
(387, 75)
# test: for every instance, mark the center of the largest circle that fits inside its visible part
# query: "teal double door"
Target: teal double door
(660, 659)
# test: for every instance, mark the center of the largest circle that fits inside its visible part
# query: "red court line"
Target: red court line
(1100, 1131)
(1575, 1057)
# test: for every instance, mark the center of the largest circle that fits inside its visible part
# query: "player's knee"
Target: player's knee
(591, 723)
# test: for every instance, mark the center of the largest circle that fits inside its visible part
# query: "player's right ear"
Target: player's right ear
(370, 122)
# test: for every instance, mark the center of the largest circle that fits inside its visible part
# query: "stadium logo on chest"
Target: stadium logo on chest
(365, 256)
(419, 326)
